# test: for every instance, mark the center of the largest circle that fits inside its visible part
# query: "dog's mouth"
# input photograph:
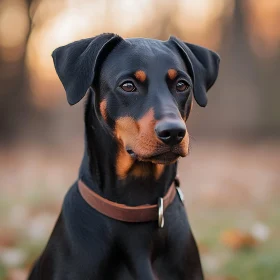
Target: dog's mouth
(166, 157)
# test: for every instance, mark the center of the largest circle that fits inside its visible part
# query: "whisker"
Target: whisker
(192, 137)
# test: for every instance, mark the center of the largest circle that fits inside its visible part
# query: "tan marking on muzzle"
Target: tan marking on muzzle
(124, 162)
(184, 145)
(172, 74)
(140, 136)
(140, 75)
(126, 129)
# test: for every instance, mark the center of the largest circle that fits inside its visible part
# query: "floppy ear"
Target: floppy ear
(76, 63)
(203, 65)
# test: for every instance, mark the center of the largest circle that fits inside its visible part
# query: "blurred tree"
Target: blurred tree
(246, 93)
(15, 107)
(19, 116)
(164, 25)
(269, 116)
(238, 91)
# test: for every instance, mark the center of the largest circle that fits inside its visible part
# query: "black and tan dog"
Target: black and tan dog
(140, 96)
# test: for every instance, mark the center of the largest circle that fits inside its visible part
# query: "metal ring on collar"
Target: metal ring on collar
(180, 193)
(160, 213)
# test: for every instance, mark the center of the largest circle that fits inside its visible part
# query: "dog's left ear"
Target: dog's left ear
(76, 63)
(203, 65)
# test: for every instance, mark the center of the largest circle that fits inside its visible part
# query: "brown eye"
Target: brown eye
(128, 87)
(182, 86)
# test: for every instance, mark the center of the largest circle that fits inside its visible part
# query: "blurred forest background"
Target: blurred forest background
(231, 179)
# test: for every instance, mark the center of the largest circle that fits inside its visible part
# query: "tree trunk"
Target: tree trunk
(237, 98)
(15, 106)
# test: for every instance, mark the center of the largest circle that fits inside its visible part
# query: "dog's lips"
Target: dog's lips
(131, 153)
(162, 157)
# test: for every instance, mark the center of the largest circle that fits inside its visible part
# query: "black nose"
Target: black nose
(170, 132)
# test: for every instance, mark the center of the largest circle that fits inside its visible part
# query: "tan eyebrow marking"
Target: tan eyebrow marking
(140, 75)
(172, 74)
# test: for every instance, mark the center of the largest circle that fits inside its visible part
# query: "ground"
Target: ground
(231, 191)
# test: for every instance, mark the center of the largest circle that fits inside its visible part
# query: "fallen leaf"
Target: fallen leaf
(236, 239)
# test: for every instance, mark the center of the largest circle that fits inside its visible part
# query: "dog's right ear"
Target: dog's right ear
(76, 63)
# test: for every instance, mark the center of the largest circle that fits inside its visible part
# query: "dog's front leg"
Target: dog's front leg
(141, 268)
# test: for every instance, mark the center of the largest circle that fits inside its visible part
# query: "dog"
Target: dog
(124, 217)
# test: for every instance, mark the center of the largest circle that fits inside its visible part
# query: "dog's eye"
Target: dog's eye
(182, 86)
(128, 87)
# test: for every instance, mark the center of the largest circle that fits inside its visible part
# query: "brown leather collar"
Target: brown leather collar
(132, 214)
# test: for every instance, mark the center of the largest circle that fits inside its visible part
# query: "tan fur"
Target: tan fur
(141, 170)
(144, 170)
(140, 75)
(159, 170)
(192, 105)
(124, 162)
(172, 74)
(184, 145)
(103, 106)
(141, 138)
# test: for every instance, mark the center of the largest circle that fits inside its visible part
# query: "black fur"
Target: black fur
(85, 244)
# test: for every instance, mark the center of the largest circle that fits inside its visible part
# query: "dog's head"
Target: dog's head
(143, 90)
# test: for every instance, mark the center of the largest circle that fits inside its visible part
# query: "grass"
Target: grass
(260, 262)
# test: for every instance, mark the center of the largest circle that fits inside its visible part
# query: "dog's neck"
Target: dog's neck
(98, 169)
